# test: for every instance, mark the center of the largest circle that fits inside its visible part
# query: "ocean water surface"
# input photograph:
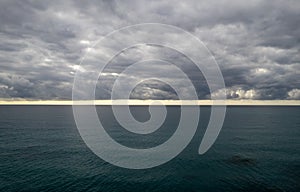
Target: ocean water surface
(258, 149)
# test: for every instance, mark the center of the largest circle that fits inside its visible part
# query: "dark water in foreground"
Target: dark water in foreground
(258, 149)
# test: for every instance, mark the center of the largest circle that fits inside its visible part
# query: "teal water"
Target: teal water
(258, 149)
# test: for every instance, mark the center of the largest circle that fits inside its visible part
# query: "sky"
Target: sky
(255, 43)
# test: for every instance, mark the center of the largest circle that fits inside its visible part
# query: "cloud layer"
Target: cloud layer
(256, 43)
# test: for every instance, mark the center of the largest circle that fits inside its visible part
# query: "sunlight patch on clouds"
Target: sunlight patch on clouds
(294, 94)
(84, 42)
(261, 71)
(109, 74)
(237, 93)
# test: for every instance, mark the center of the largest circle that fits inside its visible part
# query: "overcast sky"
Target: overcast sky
(256, 44)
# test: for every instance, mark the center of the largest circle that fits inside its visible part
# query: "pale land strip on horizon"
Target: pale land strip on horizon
(154, 102)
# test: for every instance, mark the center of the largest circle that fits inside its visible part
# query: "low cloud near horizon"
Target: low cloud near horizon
(256, 44)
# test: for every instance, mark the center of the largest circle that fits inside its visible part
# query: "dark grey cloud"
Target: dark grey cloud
(256, 44)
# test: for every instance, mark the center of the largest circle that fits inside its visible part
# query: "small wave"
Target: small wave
(241, 160)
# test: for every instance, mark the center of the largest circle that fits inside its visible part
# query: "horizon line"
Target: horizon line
(154, 102)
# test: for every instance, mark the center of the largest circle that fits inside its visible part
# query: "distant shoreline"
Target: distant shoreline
(156, 102)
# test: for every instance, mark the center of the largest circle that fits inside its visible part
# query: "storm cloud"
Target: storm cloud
(256, 44)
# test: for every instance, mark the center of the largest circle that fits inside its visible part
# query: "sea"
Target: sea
(258, 149)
